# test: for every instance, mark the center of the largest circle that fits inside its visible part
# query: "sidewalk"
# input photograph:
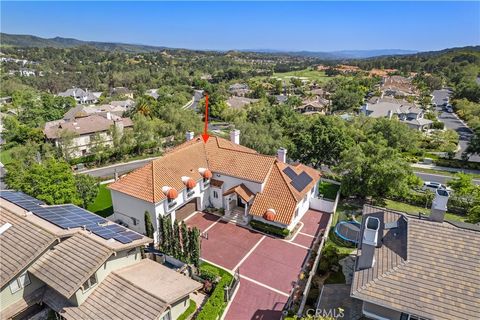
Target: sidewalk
(448, 169)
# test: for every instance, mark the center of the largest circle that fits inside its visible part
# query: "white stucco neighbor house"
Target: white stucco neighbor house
(221, 174)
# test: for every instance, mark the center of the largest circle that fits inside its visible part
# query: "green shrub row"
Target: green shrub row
(191, 309)
(269, 229)
(215, 305)
(453, 163)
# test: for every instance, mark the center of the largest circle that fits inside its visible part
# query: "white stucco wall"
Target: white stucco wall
(229, 182)
(216, 202)
(126, 207)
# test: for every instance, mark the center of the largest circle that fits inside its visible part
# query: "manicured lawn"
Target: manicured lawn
(191, 309)
(414, 210)
(103, 203)
(314, 75)
(328, 190)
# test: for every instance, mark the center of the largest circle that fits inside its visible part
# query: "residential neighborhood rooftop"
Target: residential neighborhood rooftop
(426, 268)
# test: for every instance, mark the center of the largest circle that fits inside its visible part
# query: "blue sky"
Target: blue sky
(313, 26)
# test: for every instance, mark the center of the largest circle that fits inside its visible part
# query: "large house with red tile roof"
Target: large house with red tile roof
(218, 174)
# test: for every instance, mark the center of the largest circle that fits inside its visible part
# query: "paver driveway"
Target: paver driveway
(268, 266)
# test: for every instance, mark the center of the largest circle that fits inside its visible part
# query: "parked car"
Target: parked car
(433, 186)
(449, 109)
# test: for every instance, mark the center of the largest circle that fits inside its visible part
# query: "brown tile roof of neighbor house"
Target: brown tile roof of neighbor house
(143, 290)
(242, 191)
(69, 264)
(425, 268)
(84, 125)
(20, 244)
(218, 155)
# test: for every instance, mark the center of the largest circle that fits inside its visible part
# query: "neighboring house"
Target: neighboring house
(84, 131)
(398, 86)
(118, 108)
(220, 174)
(381, 72)
(152, 93)
(122, 91)
(239, 89)
(318, 106)
(81, 266)
(236, 102)
(404, 111)
(81, 96)
(420, 268)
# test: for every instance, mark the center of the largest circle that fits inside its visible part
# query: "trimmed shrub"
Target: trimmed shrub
(269, 229)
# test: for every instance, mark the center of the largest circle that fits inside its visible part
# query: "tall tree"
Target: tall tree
(87, 188)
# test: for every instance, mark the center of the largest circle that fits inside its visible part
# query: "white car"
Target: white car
(433, 186)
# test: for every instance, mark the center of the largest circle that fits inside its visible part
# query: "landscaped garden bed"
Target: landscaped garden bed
(269, 229)
(215, 281)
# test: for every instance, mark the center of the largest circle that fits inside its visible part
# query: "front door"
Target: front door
(239, 202)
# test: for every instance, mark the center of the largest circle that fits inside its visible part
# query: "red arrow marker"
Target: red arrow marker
(205, 134)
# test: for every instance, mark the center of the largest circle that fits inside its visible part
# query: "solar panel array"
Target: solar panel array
(70, 216)
(300, 181)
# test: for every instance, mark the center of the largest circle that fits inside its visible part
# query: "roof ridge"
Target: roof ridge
(153, 180)
(254, 152)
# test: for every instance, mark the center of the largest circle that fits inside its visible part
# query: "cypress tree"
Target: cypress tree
(185, 245)
(194, 243)
(149, 230)
(177, 248)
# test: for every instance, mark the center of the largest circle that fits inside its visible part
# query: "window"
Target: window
(215, 194)
(296, 213)
(90, 282)
(134, 221)
(21, 282)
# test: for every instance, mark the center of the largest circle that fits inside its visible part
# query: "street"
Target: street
(452, 122)
(435, 177)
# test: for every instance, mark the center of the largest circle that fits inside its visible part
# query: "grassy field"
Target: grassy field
(103, 203)
(313, 75)
(414, 210)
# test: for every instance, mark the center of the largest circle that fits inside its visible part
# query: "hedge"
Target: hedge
(191, 309)
(455, 205)
(453, 163)
(267, 228)
(215, 305)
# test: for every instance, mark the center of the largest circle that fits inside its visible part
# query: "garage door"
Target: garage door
(186, 210)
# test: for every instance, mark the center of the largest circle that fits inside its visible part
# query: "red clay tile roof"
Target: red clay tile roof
(242, 191)
(224, 157)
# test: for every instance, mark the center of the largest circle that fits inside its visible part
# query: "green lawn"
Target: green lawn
(103, 203)
(313, 75)
(414, 210)
(328, 190)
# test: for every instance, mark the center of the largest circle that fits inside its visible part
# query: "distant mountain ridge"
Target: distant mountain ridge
(60, 42)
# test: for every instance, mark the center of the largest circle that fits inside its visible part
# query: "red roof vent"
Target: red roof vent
(171, 193)
(269, 215)
(207, 174)
(190, 183)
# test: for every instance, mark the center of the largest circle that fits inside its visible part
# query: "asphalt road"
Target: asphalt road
(452, 122)
(438, 177)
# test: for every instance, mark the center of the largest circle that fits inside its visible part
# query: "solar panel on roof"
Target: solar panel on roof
(71, 216)
(290, 173)
(302, 180)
